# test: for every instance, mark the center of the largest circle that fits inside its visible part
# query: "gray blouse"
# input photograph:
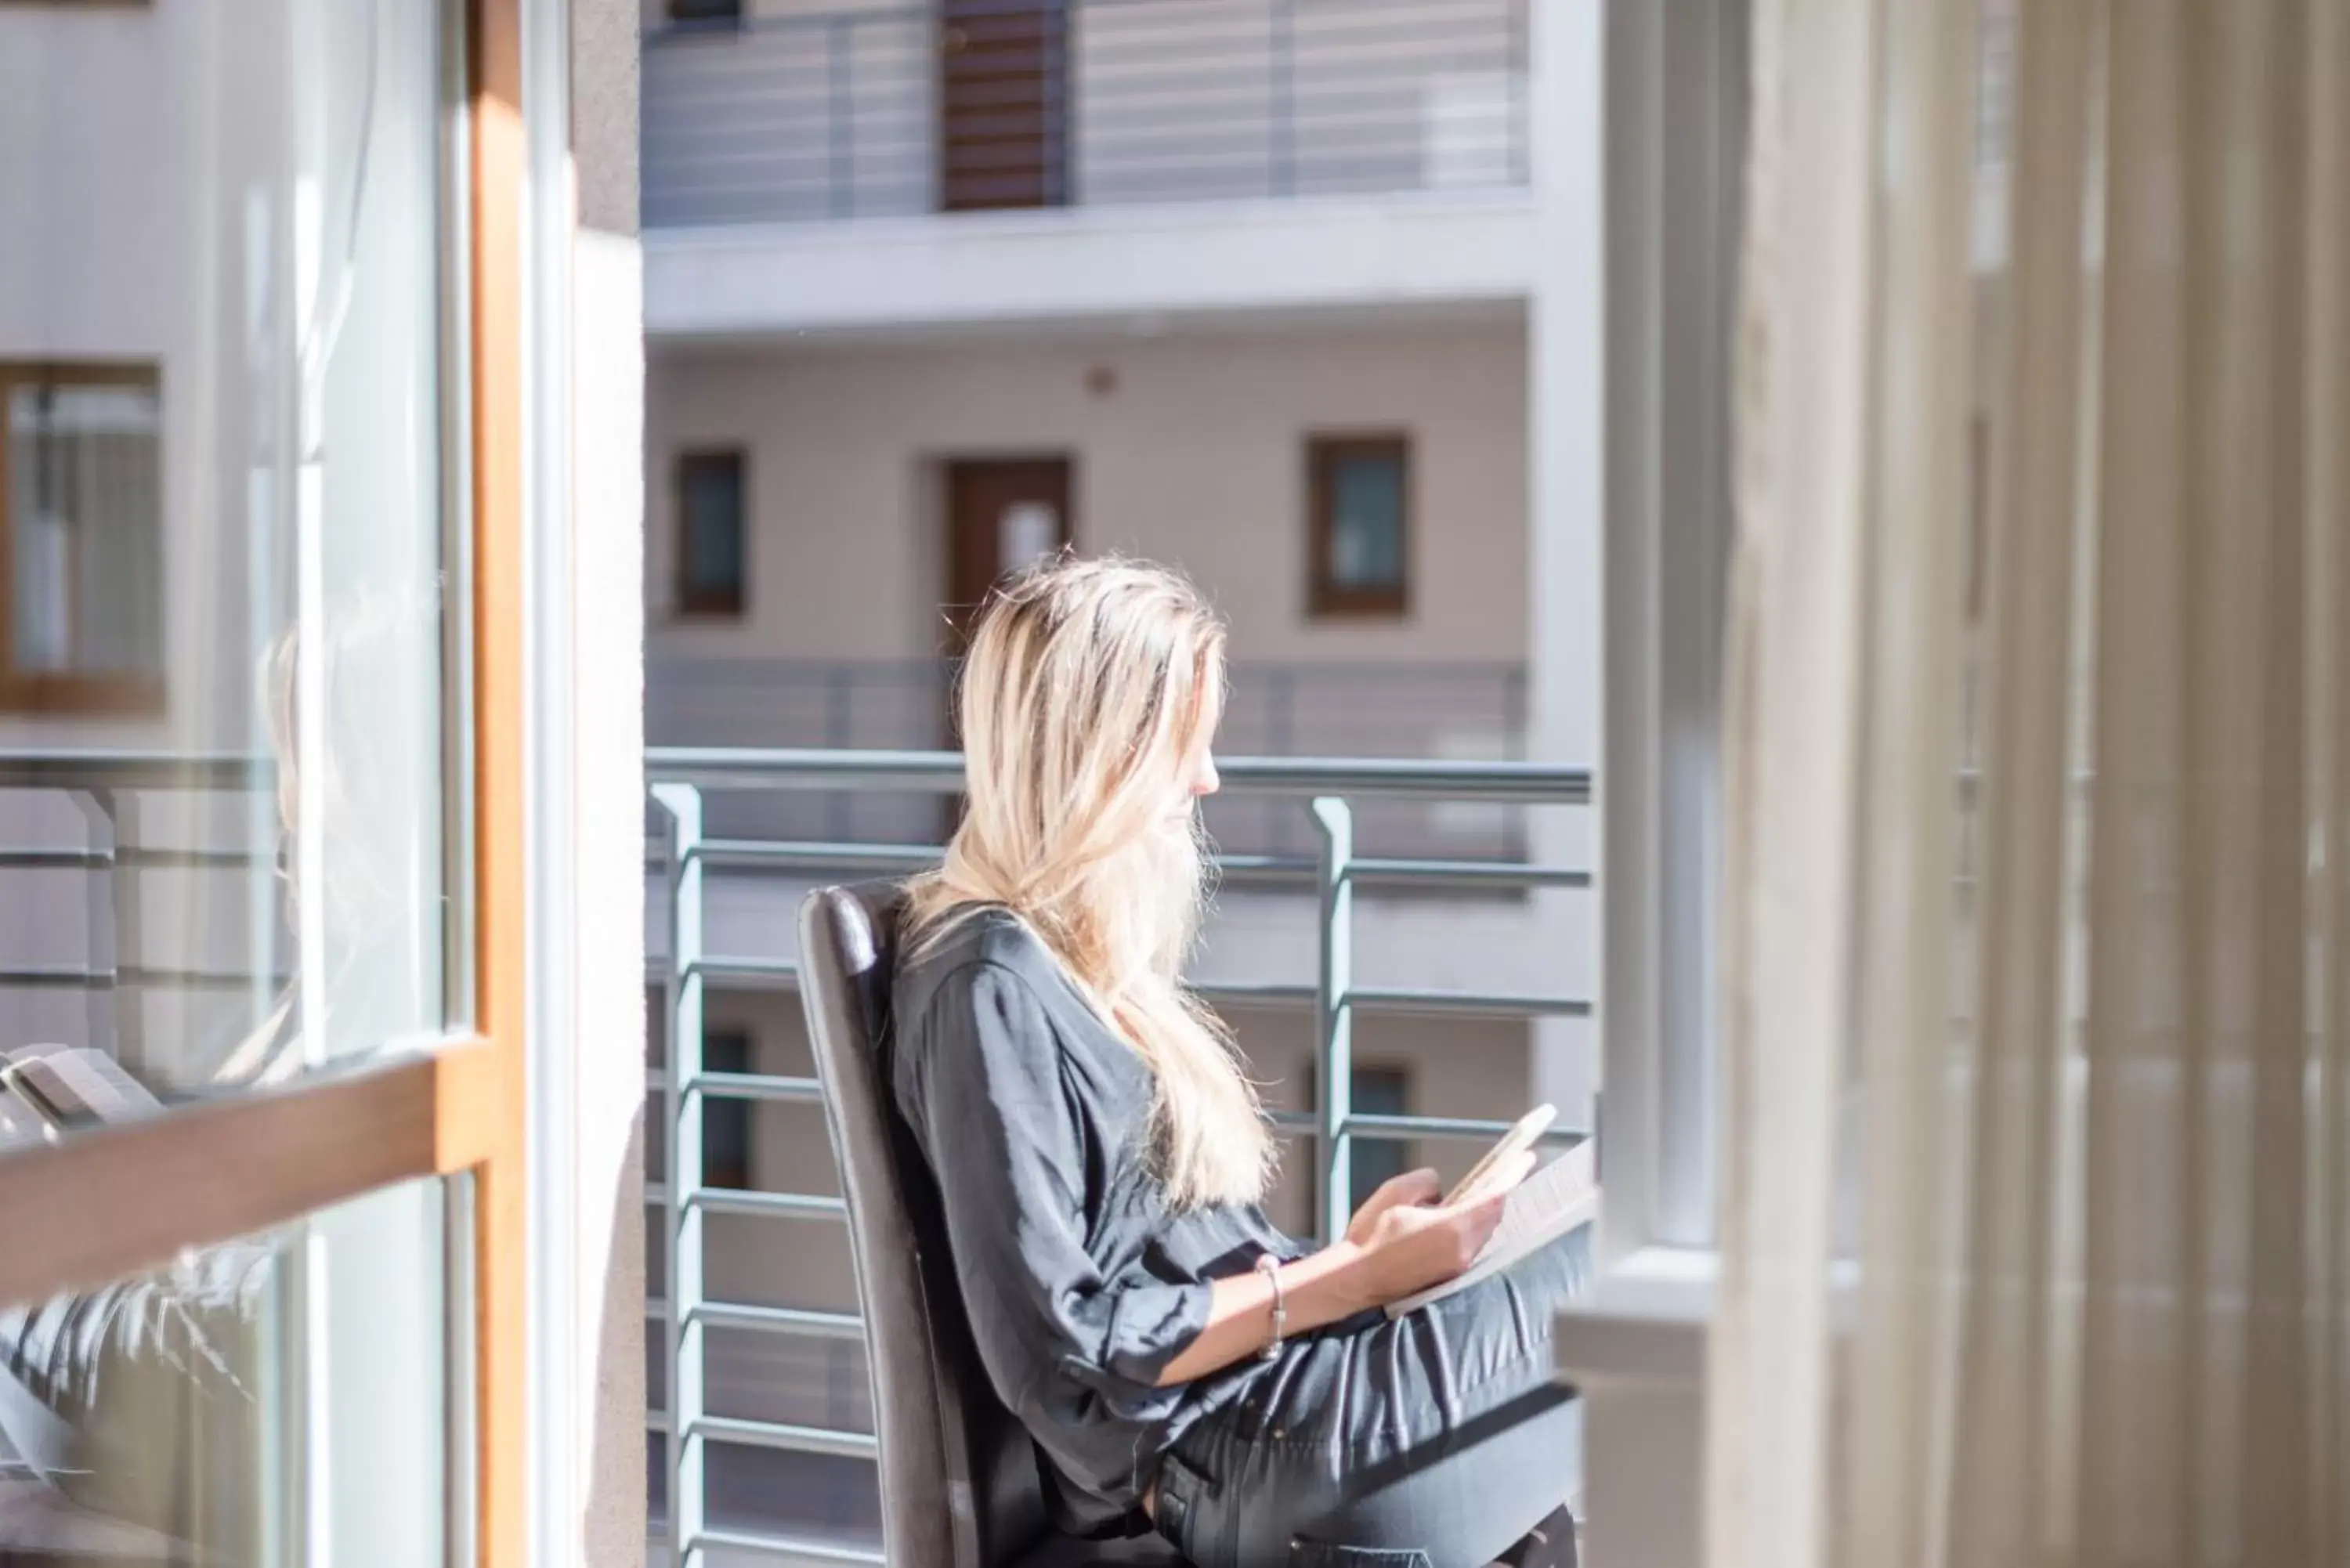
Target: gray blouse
(1079, 1282)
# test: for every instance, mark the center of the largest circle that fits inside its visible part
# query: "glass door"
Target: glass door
(260, 917)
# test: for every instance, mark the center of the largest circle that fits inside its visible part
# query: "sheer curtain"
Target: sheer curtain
(2035, 1207)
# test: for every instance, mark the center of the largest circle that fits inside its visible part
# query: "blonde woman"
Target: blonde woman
(1102, 1157)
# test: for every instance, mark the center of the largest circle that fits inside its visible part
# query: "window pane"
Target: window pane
(1367, 521)
(84, 466)
(1378, 1092)
(725, 1122)
(149, 1420)
(225, 678)
(711, 495)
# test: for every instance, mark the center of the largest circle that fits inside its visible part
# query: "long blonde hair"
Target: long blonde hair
(1081, 698)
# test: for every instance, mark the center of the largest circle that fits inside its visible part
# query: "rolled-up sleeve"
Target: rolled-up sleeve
(991, 1093)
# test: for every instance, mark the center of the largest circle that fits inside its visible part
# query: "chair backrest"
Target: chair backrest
(959, 1481)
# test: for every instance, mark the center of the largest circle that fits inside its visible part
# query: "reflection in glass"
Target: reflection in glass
(275, 1401)
(84, 504)
(223, 515)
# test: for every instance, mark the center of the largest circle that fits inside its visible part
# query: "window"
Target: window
(1359, 505)
(1379, 1092)
(725, 1121)
(313, 888)
(710, 528)
(706, 13)
(81, 498)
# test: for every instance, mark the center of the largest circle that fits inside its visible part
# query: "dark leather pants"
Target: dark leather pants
(1434, 1441)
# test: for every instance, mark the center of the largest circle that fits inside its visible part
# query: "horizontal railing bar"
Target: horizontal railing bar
(56, 978)
(195, 979)
(816, 856)
(810, 768)
(782, 1546)
(55, 859)
(1263, 992)
(139, 856)
(161, 858)
(65, 977)
(1391, 1129)
(134, 770)
(766, 1205)
(1454, 1128)
(1475, 1004)
(1467, 873)
(789, 1438)
(778, 1320)
(741, 1086)
(789, 852)
(744, 972)
(724, 767)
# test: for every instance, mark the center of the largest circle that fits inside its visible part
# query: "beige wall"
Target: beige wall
(1195, 457)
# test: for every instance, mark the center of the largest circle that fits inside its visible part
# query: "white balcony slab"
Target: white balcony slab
(1147, 269)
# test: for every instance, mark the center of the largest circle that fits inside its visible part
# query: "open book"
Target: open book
(1548, 1204)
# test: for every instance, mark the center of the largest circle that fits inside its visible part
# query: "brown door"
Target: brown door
(1001, 514)
(1004, 104)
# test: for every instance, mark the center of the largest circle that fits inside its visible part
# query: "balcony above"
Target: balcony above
(1027, 161)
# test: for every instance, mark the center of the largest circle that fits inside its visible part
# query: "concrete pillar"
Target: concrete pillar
(1567, 422)
(588, 1373)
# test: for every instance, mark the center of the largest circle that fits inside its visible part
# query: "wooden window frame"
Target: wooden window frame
(66, 692)
(104, 1204)
(1327, 600)
(693, 603)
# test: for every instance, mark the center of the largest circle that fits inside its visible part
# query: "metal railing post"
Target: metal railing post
(683, 1329)
(97, 807)
(1334, 1014)
(840, 123)
(129, 933)
(1281, 158)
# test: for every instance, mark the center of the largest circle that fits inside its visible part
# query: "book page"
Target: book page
(1548, 1204)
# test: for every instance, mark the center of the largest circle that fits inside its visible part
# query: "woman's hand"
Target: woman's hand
(1406, 1241)
(1402, 1241)
(1417, 1187)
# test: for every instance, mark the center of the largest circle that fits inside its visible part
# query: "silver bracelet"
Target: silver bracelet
(1270, 1267)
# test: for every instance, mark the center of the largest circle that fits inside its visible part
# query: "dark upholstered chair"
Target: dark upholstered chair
(960, 1486)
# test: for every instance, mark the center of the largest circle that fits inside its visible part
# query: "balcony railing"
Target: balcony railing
(1323, 793)
(802, 118)
(139, 822)
(1460, 712)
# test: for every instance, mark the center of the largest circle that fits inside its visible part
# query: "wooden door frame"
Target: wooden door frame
(105, 1204)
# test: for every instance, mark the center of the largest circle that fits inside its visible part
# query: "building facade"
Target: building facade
(1289, 295)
